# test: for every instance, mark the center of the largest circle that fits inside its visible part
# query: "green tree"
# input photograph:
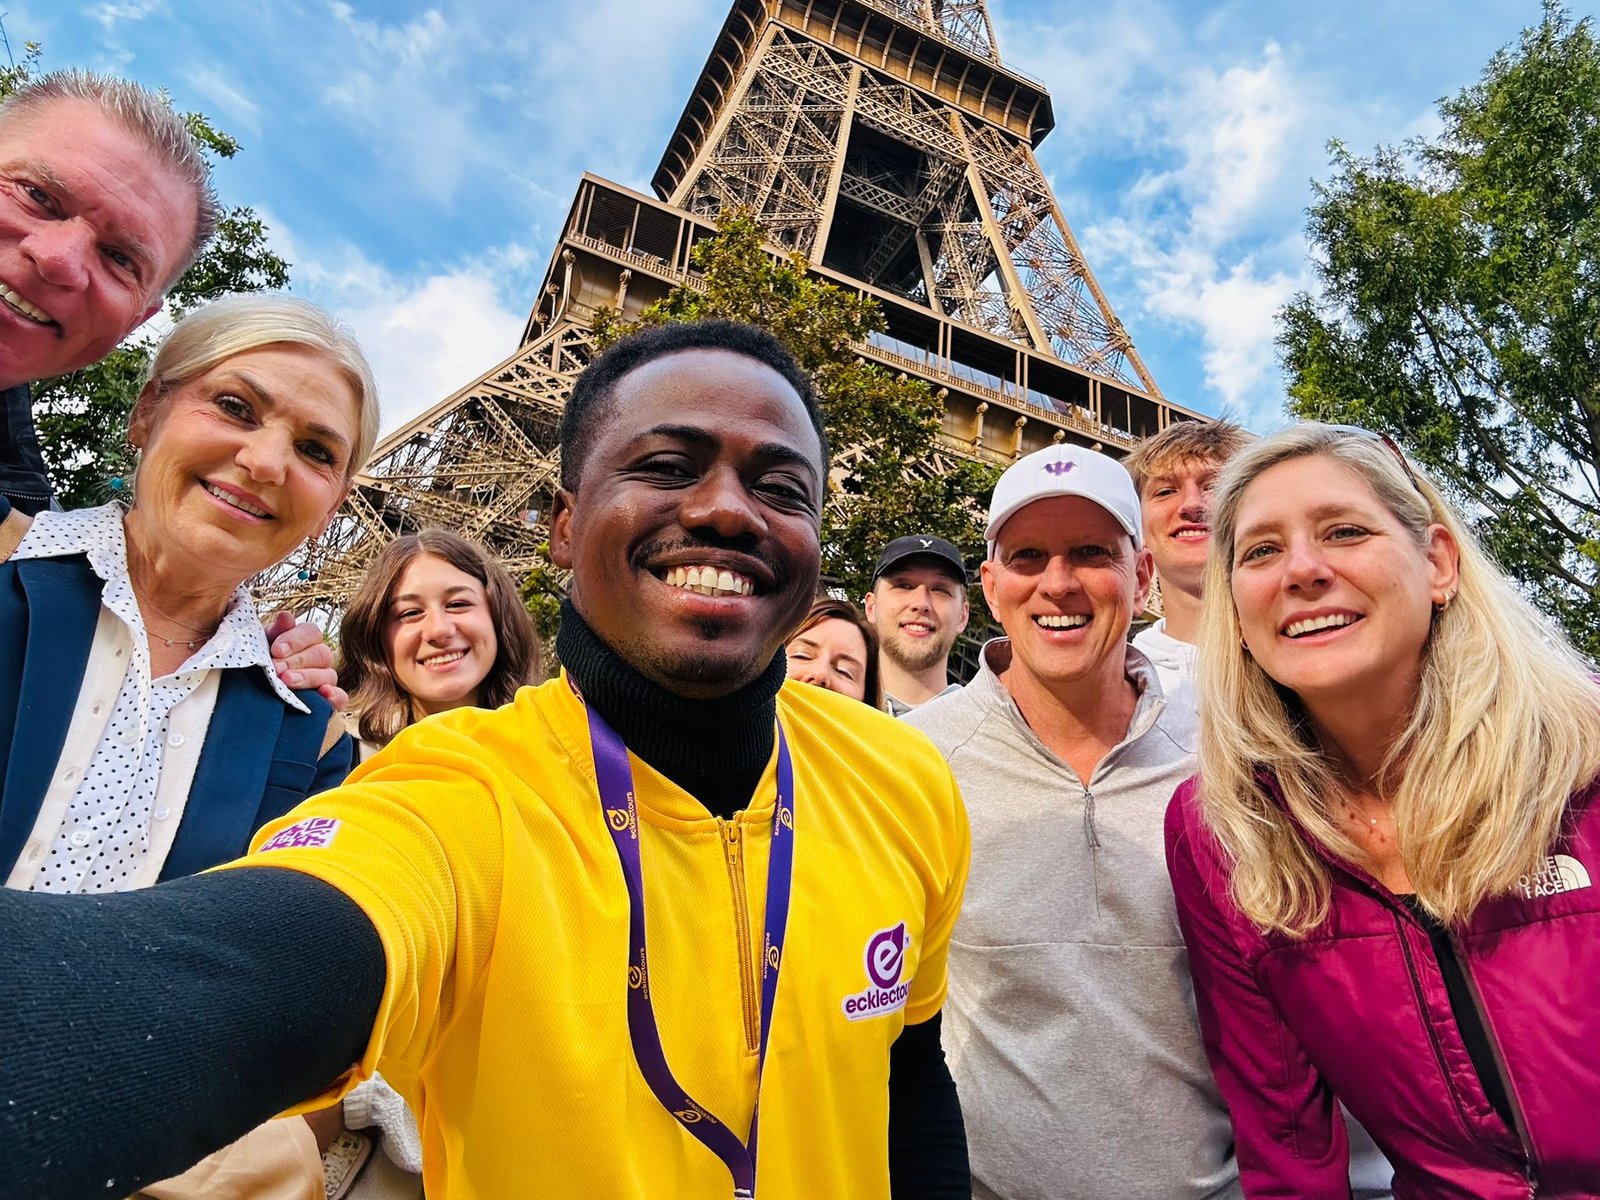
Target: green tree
(83, 417)
(881, 424)
(1459, 309)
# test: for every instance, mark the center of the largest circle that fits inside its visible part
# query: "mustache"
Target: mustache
(663, 546)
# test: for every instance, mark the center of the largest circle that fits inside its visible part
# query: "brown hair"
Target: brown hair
(826, 608)
(383, 707)
(1184, 442)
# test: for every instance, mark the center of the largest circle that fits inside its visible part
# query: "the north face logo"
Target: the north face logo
(1560, 873)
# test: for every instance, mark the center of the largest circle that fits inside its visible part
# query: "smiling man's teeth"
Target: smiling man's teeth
(710, 581)
(1064, 621)
(1192, 533)
(439, 660)
(235, 501)
(1316, 624)
(37, 315)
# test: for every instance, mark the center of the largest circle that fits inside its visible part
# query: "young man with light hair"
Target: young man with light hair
(1174, 473)
(918, 605)
(1070, 1022)
(105, 199)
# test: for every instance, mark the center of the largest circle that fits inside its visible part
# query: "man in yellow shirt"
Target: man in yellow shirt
(663, 927)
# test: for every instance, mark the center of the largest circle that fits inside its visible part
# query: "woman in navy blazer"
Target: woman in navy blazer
(143, 731)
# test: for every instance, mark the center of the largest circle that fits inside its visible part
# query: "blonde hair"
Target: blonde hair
(149, 117)
(248, 321)
(1181, 443)
(1505, 727)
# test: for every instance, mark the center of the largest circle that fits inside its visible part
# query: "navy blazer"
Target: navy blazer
(260, 757)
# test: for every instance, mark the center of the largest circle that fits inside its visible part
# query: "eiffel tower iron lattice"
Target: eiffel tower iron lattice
(887, 142)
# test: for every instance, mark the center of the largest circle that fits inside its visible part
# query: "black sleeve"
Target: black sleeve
(141, 1031)
(927, 1140)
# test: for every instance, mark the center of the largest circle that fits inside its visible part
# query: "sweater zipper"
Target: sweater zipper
(1530, 1166)
(1093, 839)
(1089, 833)
(733, 853)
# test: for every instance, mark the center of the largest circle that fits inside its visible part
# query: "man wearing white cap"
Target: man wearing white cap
(1070, 1021)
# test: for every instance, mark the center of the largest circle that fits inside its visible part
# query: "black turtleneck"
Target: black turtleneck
(716, 750)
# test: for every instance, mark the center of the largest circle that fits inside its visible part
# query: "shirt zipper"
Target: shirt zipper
(1531, 1165)
(733, 852)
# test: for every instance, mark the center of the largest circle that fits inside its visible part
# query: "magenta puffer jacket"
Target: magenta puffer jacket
(1357, 1011)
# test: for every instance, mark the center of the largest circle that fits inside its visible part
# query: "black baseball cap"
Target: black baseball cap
(921, 545)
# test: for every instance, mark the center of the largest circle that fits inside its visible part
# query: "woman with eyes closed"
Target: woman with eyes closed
(836, 648)
(1385, 868)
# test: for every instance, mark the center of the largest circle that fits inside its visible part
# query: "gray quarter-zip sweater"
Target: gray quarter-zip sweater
(1070, 1020)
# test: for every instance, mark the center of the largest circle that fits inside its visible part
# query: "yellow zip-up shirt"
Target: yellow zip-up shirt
(476, 844)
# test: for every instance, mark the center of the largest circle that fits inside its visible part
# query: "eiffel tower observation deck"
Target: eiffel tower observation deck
(886, 141)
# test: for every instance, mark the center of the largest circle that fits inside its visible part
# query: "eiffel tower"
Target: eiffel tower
(886, 141)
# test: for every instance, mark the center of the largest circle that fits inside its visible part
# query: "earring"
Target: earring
(130, 452)
(1445, 603)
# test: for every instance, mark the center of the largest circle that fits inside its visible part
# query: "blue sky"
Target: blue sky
(415, 162)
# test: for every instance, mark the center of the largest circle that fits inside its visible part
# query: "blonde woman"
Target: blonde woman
(1383, 870)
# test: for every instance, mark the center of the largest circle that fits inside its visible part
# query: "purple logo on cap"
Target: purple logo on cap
(1058, 467)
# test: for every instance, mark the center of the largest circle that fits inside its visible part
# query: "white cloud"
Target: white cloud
(217, 88)
(1094, 61)
(431, 340)
(1233, 129)
(112, 14)
(401, 86)
(426, 335)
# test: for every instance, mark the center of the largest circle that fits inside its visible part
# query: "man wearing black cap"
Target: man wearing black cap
(918, 604)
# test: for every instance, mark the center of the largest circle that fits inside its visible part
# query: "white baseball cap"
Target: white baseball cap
(1065, 470)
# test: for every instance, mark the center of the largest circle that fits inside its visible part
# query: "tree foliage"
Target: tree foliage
(1459, 309)
(881, 424)
(83, 417)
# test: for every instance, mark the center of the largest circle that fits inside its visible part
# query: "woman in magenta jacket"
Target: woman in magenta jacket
(1384, 868)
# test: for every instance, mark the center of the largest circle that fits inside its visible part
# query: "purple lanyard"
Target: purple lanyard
(615, 776)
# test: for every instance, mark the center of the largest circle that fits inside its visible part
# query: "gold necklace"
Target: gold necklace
(145, 601)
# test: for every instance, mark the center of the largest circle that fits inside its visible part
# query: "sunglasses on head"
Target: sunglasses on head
(1384, 440)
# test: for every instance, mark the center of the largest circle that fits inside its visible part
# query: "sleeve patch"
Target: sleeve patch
(313, 833)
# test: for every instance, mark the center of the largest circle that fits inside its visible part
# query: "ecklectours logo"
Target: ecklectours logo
(886, 962)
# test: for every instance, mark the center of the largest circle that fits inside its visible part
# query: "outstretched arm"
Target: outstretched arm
(927, 1140)
(142, 1031)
